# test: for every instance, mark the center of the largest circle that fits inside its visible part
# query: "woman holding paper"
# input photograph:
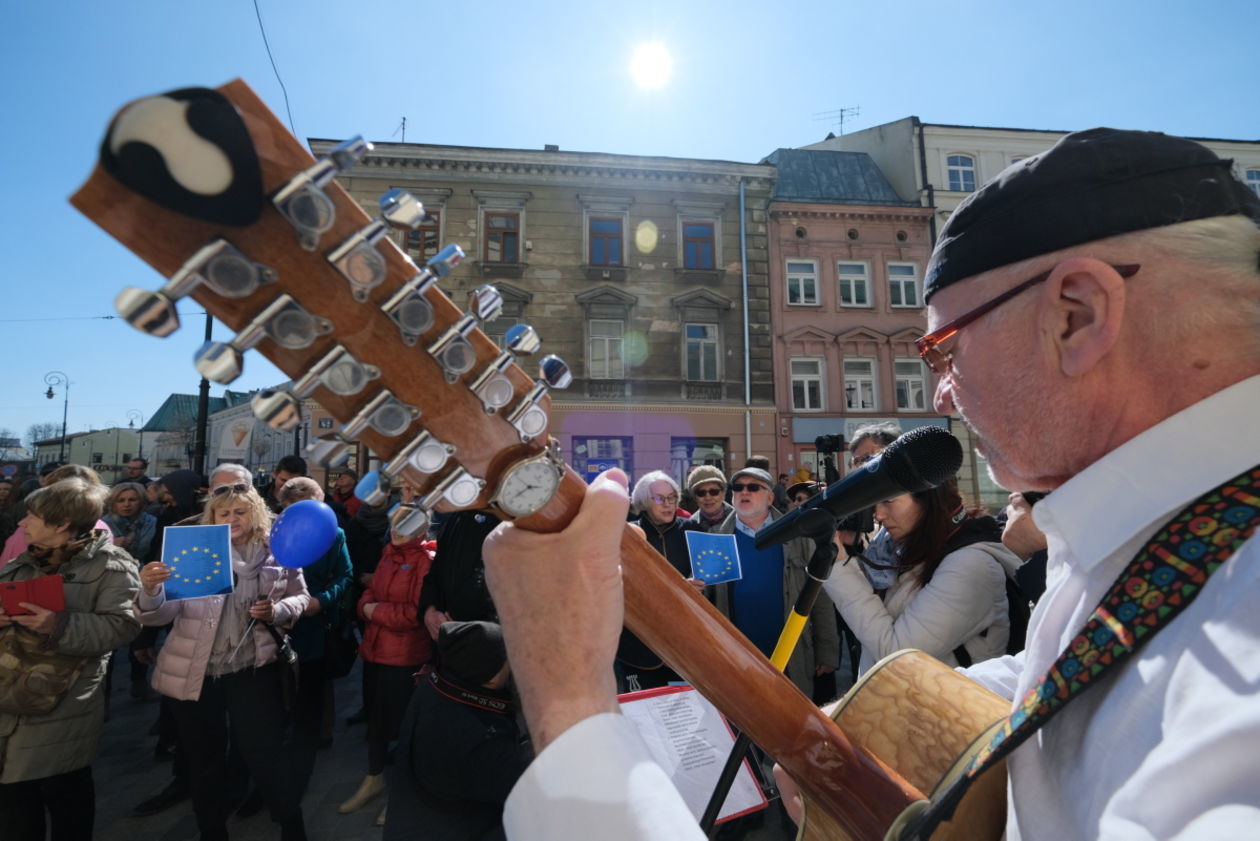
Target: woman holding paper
(219, 664)
(50, 729)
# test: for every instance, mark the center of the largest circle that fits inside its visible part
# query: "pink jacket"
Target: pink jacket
(181, 664)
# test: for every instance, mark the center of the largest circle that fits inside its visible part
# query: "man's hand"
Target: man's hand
(5, 619)
(697, 583)
(152, 575)
(312, 607)
(1021, 534)
(40, 620)
(559, 598)
(368, 610)
(434, 619)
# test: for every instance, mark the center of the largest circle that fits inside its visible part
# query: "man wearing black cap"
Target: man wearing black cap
(460, 750)
(1093, 317)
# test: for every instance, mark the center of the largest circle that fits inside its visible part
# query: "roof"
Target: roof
(180, 410)
(821, 175)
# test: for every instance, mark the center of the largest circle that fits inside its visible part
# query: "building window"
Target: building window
(1253, 180)
(807, 385)
(604, 359)
(688, 453)
(903, 284)
(605, 242)
(854, 290)
(592, 456)
(911, 384)
(698, 245)
(503, 237)
(425, 241)
(802, 282)
(702, 352)
(859, 385)
(960, 171)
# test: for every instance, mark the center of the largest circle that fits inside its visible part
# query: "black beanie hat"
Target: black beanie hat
(1089, 186)
(471, 652)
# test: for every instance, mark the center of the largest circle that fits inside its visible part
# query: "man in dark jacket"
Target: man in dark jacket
(455, 588)
(460, 749)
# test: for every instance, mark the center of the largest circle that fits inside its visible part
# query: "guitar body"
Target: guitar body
(923, 719)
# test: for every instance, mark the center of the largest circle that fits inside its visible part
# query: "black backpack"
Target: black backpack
(1018, 604)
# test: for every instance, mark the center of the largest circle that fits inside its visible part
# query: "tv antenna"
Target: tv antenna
(838, 116)
(401, 128)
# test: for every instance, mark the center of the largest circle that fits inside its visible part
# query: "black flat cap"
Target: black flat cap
(472, 652)
(1089, 186)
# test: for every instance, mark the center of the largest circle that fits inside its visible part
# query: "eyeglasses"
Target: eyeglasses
(751, 487)
(672, 499)
(930, 345)
(238, 488)
(700, 493)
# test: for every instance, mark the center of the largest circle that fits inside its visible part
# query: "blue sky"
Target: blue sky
(748, 78)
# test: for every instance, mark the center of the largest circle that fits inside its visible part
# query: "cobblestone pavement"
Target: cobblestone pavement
(126, 773)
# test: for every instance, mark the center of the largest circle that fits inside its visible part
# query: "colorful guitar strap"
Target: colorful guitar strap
(1161, 581)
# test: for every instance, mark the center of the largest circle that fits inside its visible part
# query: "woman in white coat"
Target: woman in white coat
(949, 595)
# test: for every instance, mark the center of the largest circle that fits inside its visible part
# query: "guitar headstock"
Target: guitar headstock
(209, 188)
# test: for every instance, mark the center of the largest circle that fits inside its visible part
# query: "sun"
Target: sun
(651, 65)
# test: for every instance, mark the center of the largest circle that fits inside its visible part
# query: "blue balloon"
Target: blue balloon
(303, 533)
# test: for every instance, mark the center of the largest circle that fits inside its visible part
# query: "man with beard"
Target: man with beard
(1091, 312)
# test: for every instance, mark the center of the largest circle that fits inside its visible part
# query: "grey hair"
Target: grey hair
(643, 489)
(239, 470)
(884, 434)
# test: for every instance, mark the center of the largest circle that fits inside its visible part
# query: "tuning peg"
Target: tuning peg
(453, 351)
(283, 321)
(385, 413)
(485, 302)
(522, 340)
(218, 266)
(459, 488)
(357, 258)
(555, 371)
(329, 450)
(529, 417)
(408, 307)
(303, 201)
(409, 520)
(425, 453)
(338, 371)
(373, 489)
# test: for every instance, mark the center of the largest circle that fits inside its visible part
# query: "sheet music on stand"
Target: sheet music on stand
(690, 739)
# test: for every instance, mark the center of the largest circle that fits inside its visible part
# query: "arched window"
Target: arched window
(960, 172)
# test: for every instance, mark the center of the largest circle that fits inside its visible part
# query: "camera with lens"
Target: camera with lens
(862, 522)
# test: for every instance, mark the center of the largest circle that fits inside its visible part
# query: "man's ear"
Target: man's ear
(1086, 306)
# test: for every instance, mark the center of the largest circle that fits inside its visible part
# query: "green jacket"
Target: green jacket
(101, 585)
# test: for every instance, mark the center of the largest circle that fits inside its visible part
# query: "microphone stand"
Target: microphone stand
(818, 569)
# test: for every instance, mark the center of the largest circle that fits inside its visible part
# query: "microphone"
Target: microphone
(917, 461)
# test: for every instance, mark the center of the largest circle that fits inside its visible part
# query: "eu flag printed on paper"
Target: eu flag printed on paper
(714, 557)
(200, 560)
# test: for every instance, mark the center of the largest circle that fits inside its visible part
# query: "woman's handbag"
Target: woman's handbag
(32, 680)
(287, 662)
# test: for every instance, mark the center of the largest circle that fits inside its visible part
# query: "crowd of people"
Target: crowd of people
(1162, 749)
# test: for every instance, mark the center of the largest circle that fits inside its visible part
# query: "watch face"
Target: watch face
(528, 487)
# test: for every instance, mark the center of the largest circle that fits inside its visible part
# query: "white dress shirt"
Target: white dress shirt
(1167, 748)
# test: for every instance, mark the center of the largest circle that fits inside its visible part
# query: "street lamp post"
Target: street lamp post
(53, 378)
(134, 415)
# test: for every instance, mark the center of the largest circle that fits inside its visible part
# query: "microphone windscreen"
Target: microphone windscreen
(923, 458)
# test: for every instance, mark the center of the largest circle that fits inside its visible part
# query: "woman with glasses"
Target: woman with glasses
(948, 594)
(219, 665)
(655, 498)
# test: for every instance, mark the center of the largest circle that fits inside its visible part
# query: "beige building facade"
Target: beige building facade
(647, 275)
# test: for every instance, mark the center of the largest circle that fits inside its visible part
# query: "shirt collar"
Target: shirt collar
(1153, 475)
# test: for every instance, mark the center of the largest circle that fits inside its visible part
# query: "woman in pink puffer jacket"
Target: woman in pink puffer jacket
(218, 664)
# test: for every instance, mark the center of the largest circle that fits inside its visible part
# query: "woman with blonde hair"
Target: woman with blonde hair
(125, 515)
(219, 665)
